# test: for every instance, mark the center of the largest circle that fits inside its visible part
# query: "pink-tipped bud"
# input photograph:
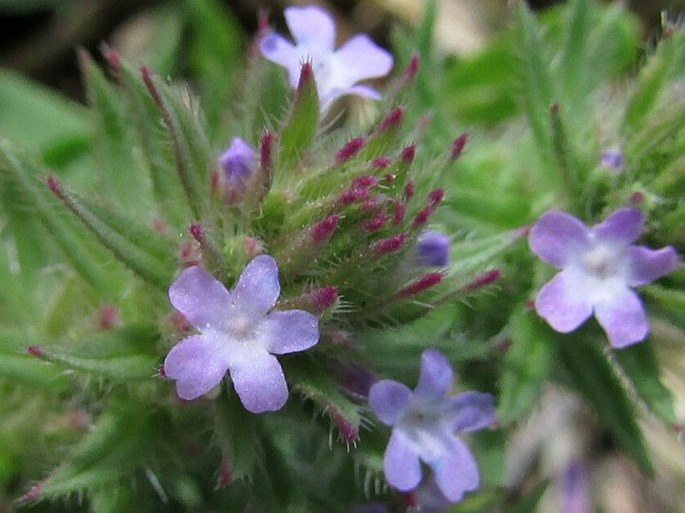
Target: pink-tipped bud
(225, 475)
(161, 372)
(350, 149)
(198, 232)
(349, 431)
(33, 494)
(399, 214)
(435, 197)
(409, 190)
(391, 120)
(423, 283)
(35, 351)
(323, 230)
(55, 186)
(458, 146)
(108, 317)
(389, 245)
(266, 150)
(113, 59)
(375, 223)
(408, 154)
(324, 298)
(381, 162)
(306, 76)
(352, 196)
(412, 68)
(637, 198)
(422, 217)
(364, 182)
(370, 205)
(485, 279)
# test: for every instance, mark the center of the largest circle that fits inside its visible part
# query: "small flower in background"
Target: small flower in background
(576, 497)
(433, 249)
(612, 158)
(599, 265)
(238, 334)
(238, 164)
(424, 425)
(336, 72)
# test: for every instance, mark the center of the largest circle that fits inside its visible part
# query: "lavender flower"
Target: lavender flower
(433, 249)
(599, 265)
(238, 334)
(336, 71)
(424, 425)
(612, 158)
(238, 165)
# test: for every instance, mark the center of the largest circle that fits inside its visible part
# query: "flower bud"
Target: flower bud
(238, 165)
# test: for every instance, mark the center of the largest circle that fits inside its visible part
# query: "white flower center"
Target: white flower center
(424, 424)
(601, 262)
(241, 326)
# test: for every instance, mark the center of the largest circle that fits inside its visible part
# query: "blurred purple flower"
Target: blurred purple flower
(424, 425)
(238, 164)
(576, 497)
(599, 265)
(612, 158)
(237, 334)
(336, 71)
(433, 249)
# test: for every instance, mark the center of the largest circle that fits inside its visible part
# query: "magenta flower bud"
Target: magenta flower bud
(409, 190)
(485, 279)
(324, 298)
(408, 154)
(350, 149)
(391, 120)
(423, 283)
(412, 69)
(435, 197)
(458, 146)
(364, 182)
(352, 196)
(306, 75)
(433, 249)
(375, 223)
(389, 245)
(381, 162)
(265, 150)
(323, 230)
(399, 213)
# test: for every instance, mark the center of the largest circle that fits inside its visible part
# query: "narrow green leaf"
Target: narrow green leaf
(575, 49)
(595, 378)
(122, 355)
(126, 244)
(640, 364)
(528, 363)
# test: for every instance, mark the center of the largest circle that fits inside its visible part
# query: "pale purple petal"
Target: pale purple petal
(401, 463)
(436, 375)
(456, 472)
(200, 297)
(647, 265)
(365, 91)
(388, 399)
(359, 59)
(472, 411)
(238, 161)
(623, 226)
(281, 51)
(623, 318)
(563, 303)
(311, 26)
(433, 249)
(259, 381)
(258, 288)
(557, 237)
(197, 363)
(290, 331)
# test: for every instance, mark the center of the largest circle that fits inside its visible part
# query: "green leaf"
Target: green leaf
(528, 363)
(122, 355)
(595, 378)
(640, 364)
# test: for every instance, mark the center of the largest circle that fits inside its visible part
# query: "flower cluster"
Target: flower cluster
(599, 266)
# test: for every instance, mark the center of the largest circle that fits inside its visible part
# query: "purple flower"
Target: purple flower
(599, 265)
(433, 249)
(336, 71)
(238, 164)
(424, 425)
(237, 334)
(612, 158)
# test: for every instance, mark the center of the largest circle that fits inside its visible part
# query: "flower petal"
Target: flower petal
(311, 26)
(257, 289)
(623, 318)
(259, 381)
(456, 472)
(200, 297)
(289, 331)
(197, 364)
(647, 265)
(557, 237)
(436, 375)
(401, 464)
(388, 399)
(472, 411)
(359, 59)
(623, 226)
(281, 51)
(563, 303)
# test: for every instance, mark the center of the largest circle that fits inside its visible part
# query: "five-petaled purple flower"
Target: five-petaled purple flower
(336, 71)
(425, 423)
(237, 333)
(433, 249)
(599, 265)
